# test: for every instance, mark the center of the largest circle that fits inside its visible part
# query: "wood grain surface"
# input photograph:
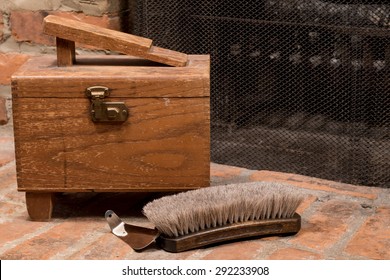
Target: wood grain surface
(164, 144)
(66, 52)
(113, 40)
(39, 205)
(231, 232)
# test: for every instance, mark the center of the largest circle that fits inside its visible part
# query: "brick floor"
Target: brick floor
(333, 218)
(244, 250)
(294, 254)
(373, 238)
(339, 221)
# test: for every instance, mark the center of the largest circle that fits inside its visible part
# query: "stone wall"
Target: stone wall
(21, 33)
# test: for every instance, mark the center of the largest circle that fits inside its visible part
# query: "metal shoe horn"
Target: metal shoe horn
(136, 237)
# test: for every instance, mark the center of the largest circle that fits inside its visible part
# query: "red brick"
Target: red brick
(27, 26)
(373, 239)
(53, 241)
(3, 112)
(294, 254)
(16, 229)
(328, 225)
(244, 250)
(107, 247)
(9, 63)
(224, 171)
(316, 184)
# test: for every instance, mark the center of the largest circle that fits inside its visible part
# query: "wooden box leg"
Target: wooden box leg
(39, 205)
(66, 52)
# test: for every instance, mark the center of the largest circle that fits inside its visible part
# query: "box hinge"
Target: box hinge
(102, 111)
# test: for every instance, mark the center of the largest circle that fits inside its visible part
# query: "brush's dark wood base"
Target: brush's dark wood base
(231, 232)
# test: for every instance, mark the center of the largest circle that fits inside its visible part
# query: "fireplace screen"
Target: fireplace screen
(298, 86)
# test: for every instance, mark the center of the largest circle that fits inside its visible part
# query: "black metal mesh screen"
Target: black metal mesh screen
(298, 86)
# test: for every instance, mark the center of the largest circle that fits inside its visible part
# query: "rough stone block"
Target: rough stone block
(31, 5)
(94, 7)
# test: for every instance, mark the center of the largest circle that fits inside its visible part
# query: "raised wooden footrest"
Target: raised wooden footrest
(68, 31)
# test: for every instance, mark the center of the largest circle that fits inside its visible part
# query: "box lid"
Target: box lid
(126, 77)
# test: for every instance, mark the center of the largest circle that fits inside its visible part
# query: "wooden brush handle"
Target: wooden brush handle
(68, 31)
(231, 232)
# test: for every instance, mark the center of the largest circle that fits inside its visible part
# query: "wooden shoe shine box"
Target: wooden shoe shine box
(109, 123)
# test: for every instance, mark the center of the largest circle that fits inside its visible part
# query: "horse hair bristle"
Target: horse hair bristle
(211, 207)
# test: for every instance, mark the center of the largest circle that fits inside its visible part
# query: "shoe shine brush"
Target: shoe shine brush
(212, 215)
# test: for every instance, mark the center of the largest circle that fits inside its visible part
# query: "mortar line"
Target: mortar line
(8, 165)
(16, 203)
(268, 249)
(199, 254)
(346, 238)
(14, 243)
(338, 248)
(304, 248)
(78, 246)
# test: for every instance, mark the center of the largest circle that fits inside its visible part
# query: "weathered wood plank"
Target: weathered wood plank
(113, 40)
(164, 145)
(90, 34)
(166, 56)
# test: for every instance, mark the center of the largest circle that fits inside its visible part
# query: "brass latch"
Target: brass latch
(102, 111)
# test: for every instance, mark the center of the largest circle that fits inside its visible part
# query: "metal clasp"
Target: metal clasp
(102, 111)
